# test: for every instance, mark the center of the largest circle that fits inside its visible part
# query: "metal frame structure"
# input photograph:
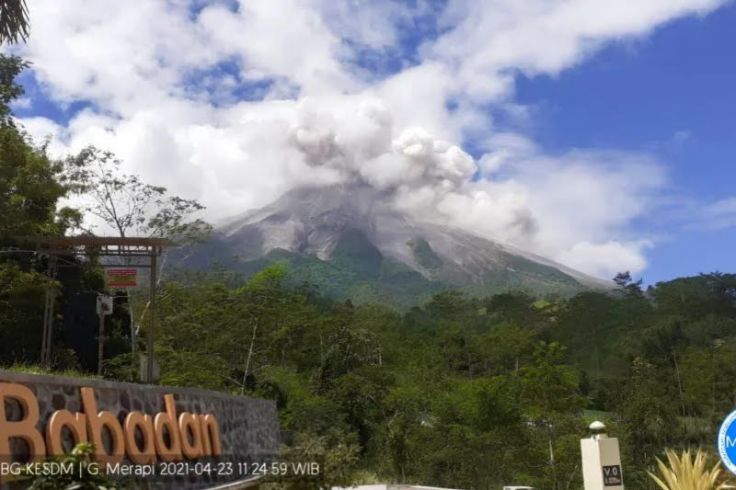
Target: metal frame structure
(81, 246)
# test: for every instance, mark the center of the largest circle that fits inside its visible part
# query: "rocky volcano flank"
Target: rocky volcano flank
(349, 241)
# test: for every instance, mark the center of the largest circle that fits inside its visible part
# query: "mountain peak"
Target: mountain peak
(354, 231)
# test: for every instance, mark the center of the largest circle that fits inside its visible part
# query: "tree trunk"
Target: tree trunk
(553, 467)
(248, 358)
(679, 384)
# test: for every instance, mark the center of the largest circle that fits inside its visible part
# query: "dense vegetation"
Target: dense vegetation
(464, 392)
(460, 391)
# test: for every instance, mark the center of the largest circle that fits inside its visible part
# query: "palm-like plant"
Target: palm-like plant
(688, 471)
(14, 21)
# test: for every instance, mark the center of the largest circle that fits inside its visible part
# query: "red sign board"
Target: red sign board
(122, 278)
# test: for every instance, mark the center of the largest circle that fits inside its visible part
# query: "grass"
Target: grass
(37, 369)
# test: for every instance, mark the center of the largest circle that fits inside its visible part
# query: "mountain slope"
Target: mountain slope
(350, 243)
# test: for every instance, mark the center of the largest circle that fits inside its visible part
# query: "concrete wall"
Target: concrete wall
(249, 428)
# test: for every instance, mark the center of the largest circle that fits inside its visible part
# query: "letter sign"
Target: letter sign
(612, 476)
(727, 442)
(164, 436)
(122, 278)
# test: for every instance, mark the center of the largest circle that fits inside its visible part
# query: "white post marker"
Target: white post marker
(601, 460)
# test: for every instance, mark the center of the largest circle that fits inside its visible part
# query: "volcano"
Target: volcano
(353, 244)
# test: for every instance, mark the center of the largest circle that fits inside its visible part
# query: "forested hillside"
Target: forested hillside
(463, 392)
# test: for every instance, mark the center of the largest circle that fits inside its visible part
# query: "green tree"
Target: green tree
(407, 416)
(506, 348)
(29, 180)
(30, 190)
(81, 478)
(132, 207)
(127, 204)
(550, 392)
(14, 22)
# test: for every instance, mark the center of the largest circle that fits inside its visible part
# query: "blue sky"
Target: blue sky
(598, 135)
(673, 94)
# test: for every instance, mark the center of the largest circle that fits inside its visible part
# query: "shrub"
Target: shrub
(689, 471)
(83, 477)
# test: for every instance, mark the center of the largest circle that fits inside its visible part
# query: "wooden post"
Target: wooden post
(152, 320)
(101, 342)
(48, 314)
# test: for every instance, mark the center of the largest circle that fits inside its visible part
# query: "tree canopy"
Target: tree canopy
(14, 21)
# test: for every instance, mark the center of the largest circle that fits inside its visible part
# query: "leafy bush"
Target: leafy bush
(84, 476)
(688, 472)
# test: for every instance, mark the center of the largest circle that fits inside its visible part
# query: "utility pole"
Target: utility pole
(48, 314)
(100, 344)
(104, 308)
(151, 322)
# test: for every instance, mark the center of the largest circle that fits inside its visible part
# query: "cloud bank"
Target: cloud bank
(233, 103)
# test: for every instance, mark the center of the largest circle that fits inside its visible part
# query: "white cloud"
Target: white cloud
(21, 103)
(163, 102)
(606, 259)
(285, 39)
(120, 58)
(718, 215)
(540, 36)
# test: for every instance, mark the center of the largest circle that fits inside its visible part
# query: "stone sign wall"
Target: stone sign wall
(216, 427)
